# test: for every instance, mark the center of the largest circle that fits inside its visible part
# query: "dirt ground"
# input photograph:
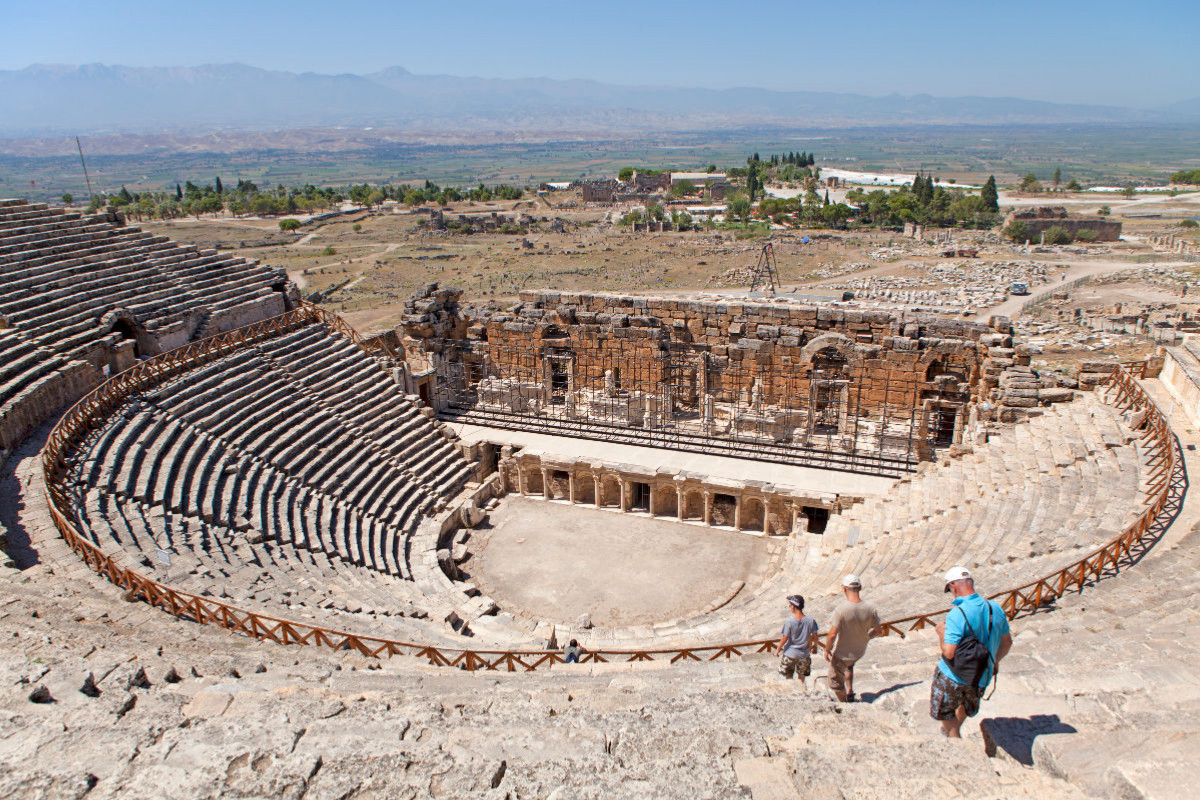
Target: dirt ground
(367, 274)
(554, 562)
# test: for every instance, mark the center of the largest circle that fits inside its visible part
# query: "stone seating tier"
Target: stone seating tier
(65, 278)
(269, 472)
(1037, 496)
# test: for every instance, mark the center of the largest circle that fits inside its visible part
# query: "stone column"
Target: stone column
(546, 484)
(520, 479)
(707, 508)
(795, 512)
(737, 512)
(766, 517)
(598, 485)
(650, 501)
(624, 494)
(571, 485)
(679, 503)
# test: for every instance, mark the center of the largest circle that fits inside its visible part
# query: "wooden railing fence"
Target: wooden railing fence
(90, 412)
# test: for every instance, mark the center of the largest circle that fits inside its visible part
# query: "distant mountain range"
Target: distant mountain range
(44, 100)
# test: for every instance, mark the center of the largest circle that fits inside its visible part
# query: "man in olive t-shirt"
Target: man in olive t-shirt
(853, 624)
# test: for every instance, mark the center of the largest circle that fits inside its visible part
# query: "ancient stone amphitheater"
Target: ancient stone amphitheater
(253, 553)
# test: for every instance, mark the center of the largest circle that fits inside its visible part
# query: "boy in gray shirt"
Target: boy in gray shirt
(794, 648)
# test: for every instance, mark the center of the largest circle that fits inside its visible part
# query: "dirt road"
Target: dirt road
(1077, 269)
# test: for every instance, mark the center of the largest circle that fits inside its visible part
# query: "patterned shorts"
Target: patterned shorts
(945, 696)
(802, 667)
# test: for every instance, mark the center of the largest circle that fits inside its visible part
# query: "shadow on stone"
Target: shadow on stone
(1015, 735)
(871, 697)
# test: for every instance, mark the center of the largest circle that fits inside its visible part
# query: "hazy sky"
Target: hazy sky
(1123, 53)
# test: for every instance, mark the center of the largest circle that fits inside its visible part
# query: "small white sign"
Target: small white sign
(164, 557)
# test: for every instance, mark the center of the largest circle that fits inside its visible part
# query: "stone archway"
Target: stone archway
(753, 514)
(838, 343)
(666, 501)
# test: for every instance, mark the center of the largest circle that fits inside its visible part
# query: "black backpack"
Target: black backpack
(972, 657)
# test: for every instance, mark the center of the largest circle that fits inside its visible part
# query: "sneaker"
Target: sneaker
(850, 698)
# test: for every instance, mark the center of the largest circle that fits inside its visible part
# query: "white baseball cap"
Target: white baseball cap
(956, 574)
(851, 581)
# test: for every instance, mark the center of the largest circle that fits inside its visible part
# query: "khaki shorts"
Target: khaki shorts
(801, 667)
(840, 671)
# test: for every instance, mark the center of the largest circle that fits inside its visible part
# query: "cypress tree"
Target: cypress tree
(991, 200)
(220, 188)
(178, 193)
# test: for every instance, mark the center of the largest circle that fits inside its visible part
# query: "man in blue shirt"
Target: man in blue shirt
(952, 700)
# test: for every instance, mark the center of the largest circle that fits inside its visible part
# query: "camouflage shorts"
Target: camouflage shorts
(945, 696)
(802, 667)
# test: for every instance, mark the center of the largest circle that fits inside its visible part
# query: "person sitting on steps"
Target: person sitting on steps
(572, 652)
(854, 623)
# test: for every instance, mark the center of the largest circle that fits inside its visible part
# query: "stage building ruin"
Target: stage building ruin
(857, 390)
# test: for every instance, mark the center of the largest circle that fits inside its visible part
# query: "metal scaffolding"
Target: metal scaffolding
(686, 398)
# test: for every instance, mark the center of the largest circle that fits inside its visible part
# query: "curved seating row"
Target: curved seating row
(1037, 496)
(66, 278)
(293, 475)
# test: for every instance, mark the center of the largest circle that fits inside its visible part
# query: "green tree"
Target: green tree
(989, 195)
(356, 227)
(1189, 223)
(220, 188)
(1057, 234)
(1104, 211)
(836, 214)
(178, 193)
(683, 188)
(1086, 235)
(1017, 230)
(1029, 183)
(1057, 177)
(625, 175)
(1073, 186)
(739, 207)
(1129, 191)
(68, 198)
(289, 224)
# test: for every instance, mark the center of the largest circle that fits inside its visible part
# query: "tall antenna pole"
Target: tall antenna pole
(91, 194)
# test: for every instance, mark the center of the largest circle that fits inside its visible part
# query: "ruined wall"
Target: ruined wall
(780, 346)
(1042, 218)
